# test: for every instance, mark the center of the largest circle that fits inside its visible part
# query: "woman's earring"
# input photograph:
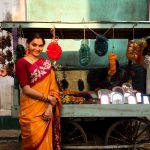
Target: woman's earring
(27, 51)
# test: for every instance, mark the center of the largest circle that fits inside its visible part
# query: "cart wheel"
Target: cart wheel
(72, 133)
(129, 134)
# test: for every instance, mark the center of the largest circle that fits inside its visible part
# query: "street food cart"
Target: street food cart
(131, 128)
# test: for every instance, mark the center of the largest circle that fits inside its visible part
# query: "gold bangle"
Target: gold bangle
(43, 98)
(48, 100)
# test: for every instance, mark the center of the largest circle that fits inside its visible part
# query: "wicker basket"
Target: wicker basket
(73, 78)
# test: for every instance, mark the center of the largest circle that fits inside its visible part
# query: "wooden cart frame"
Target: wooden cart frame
(135, 114)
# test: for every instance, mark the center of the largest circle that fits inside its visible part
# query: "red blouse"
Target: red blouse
(22, 72)
(29, 74)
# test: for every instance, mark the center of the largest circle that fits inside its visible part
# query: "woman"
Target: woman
(39, 115)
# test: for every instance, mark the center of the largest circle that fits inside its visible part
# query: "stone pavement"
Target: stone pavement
(9, 140)
(10, 145)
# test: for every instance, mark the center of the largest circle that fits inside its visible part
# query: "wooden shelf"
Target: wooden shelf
(75, 30)
(105, 110)
(99, 110)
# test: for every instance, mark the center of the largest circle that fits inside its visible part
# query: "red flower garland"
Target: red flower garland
(54, 51)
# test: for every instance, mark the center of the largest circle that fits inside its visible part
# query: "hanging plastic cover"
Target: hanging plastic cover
(101, 45)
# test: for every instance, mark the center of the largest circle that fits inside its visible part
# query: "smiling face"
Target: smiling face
(35, 47)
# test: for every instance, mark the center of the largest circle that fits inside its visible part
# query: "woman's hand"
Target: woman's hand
(52, 100)
(47, 115)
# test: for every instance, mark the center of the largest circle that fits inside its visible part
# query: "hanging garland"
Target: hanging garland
(135, 50)
(6, 55)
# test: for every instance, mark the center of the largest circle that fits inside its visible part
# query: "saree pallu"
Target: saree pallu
(36, 133)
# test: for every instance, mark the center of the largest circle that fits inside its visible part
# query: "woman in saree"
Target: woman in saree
(40, 104)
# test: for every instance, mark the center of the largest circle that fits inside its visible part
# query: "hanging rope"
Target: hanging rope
(133, 30)
(133, 33)
(113, 37)
(101, 43)
(133, 48)
(84, 52)
(53, 33)
(84, 36)
(112, 27)
(103, 33)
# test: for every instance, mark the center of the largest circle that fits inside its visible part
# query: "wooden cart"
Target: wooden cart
(131, 130)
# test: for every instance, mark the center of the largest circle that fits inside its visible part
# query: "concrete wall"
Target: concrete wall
(6, 95)
(90, 10)
(13, 10)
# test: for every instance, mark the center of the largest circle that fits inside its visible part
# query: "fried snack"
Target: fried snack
(112, 64)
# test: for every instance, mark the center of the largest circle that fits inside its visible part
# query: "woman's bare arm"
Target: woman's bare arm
(27, 90)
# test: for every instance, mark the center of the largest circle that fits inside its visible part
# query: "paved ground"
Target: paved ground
(10, 145)
(9, 140)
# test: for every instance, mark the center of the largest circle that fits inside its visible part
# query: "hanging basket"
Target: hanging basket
(84, 55)
(54, 51)
(101, 45)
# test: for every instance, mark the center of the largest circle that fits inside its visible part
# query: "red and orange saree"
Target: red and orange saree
(36, 133)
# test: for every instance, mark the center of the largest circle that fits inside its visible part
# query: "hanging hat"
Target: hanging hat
(84, 54)
(54, 51)
(101, 45)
